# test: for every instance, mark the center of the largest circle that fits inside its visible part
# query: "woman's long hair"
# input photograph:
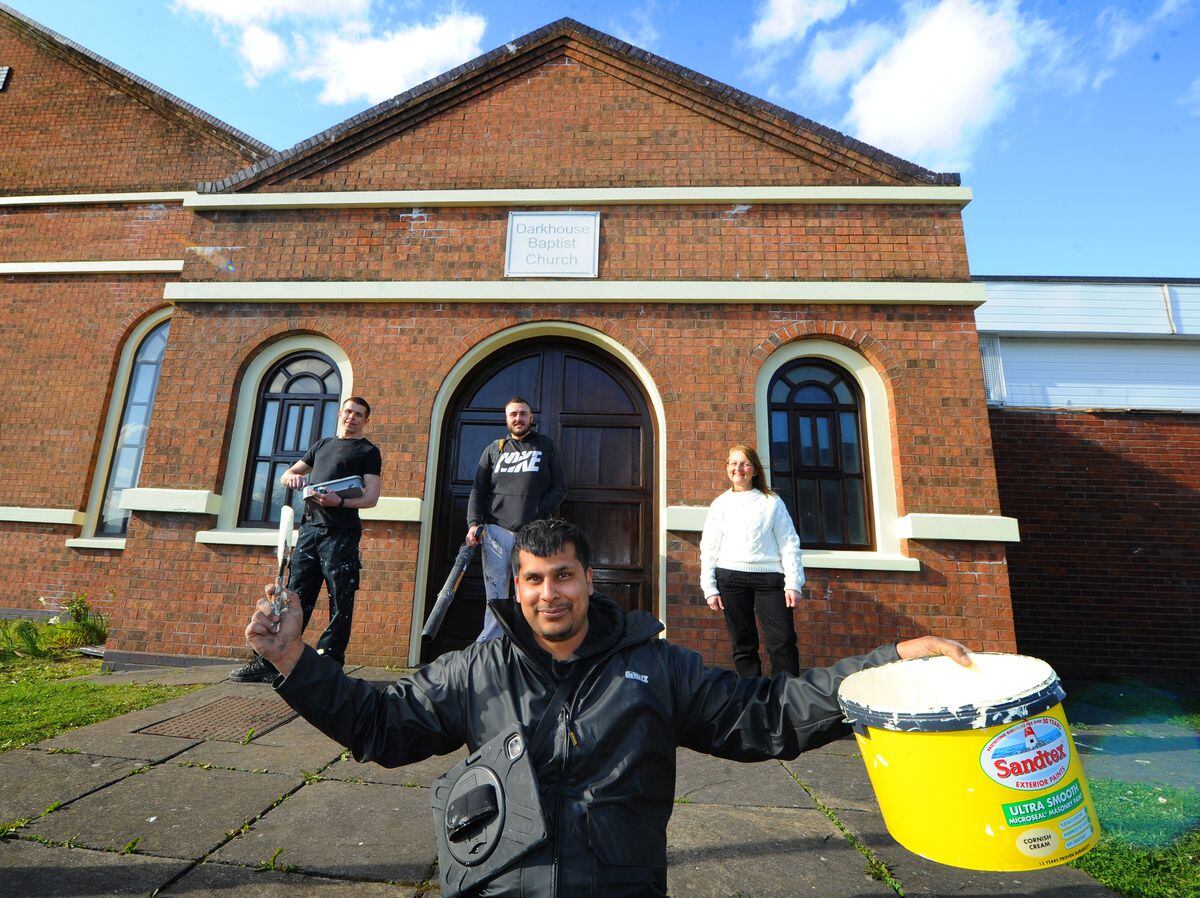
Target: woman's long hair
(759, 479)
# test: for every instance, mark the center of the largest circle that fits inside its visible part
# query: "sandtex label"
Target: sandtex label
(1044, 807)
(1031, 755)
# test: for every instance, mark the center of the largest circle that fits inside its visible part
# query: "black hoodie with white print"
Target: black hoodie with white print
(517, 481)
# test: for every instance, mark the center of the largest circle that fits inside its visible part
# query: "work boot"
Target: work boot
(259, 670)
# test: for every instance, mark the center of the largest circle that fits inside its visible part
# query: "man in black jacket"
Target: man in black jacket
(519, 479)
(607, 778)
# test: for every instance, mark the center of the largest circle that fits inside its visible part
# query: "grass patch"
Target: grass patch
(1132, 702)
(38, 700)
(1150, 846)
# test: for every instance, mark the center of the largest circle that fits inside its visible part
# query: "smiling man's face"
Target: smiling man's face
(554, 594)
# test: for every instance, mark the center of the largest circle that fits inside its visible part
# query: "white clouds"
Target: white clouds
(781, 21)
(838, 57)
(1121, 33)
(338, 45)
(240, 13)
(1191, 99)
(951, 74)
(355, 64)
(263, 52)
(643, 32)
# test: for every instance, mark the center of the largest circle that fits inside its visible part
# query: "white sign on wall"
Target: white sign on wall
(552, 245)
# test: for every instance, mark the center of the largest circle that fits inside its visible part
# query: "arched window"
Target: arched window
(818, 453)
(297, 405)
(126, 461)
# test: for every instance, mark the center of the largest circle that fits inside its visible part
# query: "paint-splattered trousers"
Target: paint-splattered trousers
(327, 555)
(497, 575)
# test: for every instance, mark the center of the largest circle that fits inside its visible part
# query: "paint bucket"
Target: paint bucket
(973, 766)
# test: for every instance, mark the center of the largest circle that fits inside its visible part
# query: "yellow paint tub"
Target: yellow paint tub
(973, 767)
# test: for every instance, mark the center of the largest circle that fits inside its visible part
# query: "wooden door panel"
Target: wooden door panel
(589, 389)
(614, 531)
(593, 411)
(610, 457)
(519, 378)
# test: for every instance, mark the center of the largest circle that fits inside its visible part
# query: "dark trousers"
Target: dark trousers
(743, 594)
(327, 555)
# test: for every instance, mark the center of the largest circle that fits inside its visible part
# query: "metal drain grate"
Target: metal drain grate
(226, 720)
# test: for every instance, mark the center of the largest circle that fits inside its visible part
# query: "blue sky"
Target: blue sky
(1077, 125)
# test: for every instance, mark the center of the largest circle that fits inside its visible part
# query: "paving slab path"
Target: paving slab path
(286, 812)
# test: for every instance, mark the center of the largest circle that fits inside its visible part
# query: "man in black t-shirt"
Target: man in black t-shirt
(327, 550)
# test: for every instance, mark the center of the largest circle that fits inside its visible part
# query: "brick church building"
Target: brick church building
(184, 306)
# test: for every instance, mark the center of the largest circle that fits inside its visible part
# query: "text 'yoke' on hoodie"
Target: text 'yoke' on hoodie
(517, 481)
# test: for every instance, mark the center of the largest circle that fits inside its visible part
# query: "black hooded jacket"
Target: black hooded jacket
(608, 779)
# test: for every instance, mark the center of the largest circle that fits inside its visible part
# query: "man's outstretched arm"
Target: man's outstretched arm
(753, 719)
(419, 715)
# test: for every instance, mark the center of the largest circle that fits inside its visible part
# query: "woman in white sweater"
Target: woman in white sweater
(750, 562)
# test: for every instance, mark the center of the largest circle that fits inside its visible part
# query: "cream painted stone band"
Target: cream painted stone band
(112, 544)
(592, 196)
(390, 508)
(84, 199)
(133, 266)
(171, 501)
(589, 196)
(840, 292)
(959, 527)
(17, 513)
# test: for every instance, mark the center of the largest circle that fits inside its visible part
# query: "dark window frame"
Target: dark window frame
(324, 406)
(834, 472)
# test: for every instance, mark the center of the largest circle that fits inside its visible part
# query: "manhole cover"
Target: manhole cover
(226, 720)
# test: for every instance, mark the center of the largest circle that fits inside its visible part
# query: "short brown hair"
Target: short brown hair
(358, 400)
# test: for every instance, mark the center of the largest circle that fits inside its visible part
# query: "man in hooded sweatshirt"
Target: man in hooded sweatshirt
(519, 479)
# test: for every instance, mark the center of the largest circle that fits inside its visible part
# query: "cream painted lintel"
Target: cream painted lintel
(859, 561)
(24, 515)
(809, 292)
(590, 196)
(96, 542)
(133, 266)
(171, 501)
(964, 527)
(238, 537)
(75, 199)
(393, 508)
(684, 518)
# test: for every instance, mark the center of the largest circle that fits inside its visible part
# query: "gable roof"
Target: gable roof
(151, 95)
(705, 95)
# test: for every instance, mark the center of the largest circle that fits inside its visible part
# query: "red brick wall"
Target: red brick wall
(568, 124)
(584, 120)
(62, 339)
(64, 130)
(1106, 578)
(763, 242)
(90, 233)
(704, 360)
(960, 592)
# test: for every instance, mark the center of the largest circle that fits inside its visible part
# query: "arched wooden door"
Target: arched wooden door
(593, 410)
